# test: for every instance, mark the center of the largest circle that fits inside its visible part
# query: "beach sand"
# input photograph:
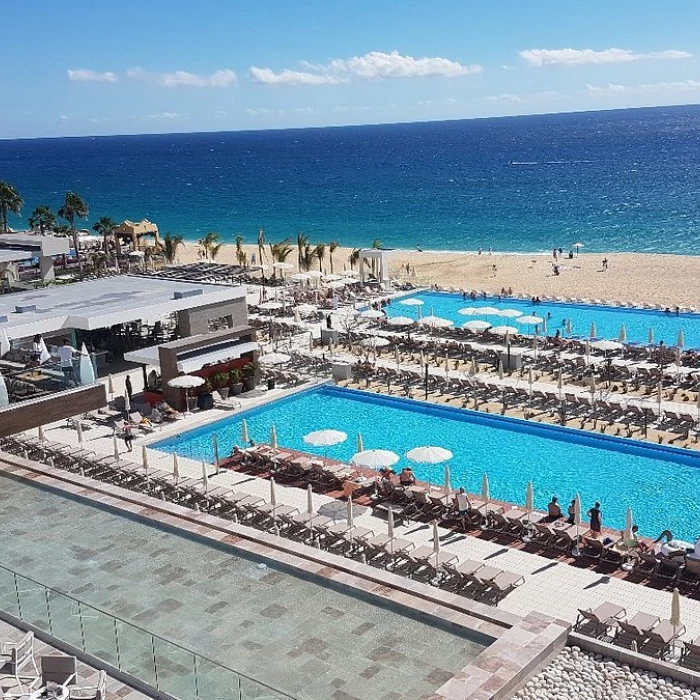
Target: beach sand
(671, 280)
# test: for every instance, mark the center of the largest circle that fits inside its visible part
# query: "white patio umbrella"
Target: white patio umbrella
(372, 314)
(650, 336)
(325, 438)
(337, 284)
(309, 499)
(436, 537)
(374, 341)
(476, 325)
(578, 247)
(530, 320)
(447, 480)
(607, 345)
(622, 335)
(244, 432)
(331, 278)
(360, 443)
(510, 313)
(314, 274)
(469, 311)
(504, 330)
(176, 468)
(271, 305)
(86, 370)
(390, 523)
(273, 437)
(282, 266)
(5, 345)
(116, 448)
(400, 321)
(485, 491)
(274, 358)
(348, 281)
(79, 431)
(374, 459)
(300, 277)
(594, 331)
(429, 454)
(186, 381)
(488, 311)
(412, 301)
(680, 339)
(435, 322)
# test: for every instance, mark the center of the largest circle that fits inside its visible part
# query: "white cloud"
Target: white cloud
(84, 75)
(375, 65)
(510, 98)
(612, 89)
(168, 116)
(266, 76)
(576, 57)
(266, 112)
(180, 78)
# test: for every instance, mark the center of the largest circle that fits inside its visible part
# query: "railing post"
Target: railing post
(155, 665)
(116, 642)
(196, 675)
(48, 611)
(82, 627)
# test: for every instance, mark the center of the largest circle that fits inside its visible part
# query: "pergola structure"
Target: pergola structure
(377, 257)
(137, 230)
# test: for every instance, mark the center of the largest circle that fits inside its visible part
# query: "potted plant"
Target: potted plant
(220, 383)
(205, 400)
(235, 382)
(250, 376)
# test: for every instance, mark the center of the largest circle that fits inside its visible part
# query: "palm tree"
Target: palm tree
(354, 257)
(170, 245)
(210, 245)
(10, 202)
(376, 244)
(308, 256)
(281, 251)
(332, 247)
(261, 246)
(320, 253)
(302, 242)
(241, 256)
(105, 227)
(74, 206)
(42, 219)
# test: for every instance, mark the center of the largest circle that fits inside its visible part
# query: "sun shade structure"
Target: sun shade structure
(375, 459)
(476, 325)
(436, 322)
(400, 321)
(429, 454)
(412, 302)
(274, 358)
(186, 382)
(504, 330)
(325, 438)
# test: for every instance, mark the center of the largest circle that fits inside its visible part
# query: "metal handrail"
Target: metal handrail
(198, 658)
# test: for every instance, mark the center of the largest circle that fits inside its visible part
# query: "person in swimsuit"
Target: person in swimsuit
(596, 519)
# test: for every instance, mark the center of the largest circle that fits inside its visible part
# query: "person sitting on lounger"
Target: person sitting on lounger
(553, 509)
(407, 477)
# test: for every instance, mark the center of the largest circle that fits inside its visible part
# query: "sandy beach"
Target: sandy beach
(672, 280)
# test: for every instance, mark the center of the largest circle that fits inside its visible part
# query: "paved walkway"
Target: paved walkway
(552, 587)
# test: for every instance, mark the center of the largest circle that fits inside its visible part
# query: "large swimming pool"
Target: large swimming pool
(608, 319)
(660, 483)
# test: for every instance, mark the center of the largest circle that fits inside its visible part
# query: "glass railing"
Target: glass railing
(158, 662)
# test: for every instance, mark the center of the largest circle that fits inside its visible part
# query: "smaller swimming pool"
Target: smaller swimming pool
(660, 483)
(608, 319)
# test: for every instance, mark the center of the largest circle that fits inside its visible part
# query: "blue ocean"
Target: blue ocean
(625, 180)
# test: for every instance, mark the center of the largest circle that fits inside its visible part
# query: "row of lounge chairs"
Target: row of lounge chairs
(474, 579)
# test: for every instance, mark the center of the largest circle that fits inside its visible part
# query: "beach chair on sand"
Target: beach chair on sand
(595, 623)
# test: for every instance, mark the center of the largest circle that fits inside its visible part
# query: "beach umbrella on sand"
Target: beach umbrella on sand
(273, 437)
(4, 396)
(176, 468)
(360, 443)
(448, 485)
(79, 430)
(485, 493)
(374, 459)
(529, 498)
(622, 335)
(244, 432)
(436, 537)
(309, 499)
(578, 247)
(650, 336)
(680, 339)
(594, 331)
(390, 523)
(116, 448)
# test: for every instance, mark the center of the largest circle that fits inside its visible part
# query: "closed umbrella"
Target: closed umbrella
(116, 448)
(675, 618)
(273, 437)
(560, 383)
(447, 365)
(397, 357)
(577, 511)
(273, 494)
(650, 336)
(349, 516)
(374, 459)
(530, 380)
(622, 335)
(629, 524)
(500, 369)
(659, 396)
(436, 537)
(79, 431)
(422, 358)
(448, 485)
(41, 436)
(680, 340)
(176, 469)
(309, 499)
(594, 331)
(529, 498)
(390, 523)
(127, 404)
(592, 386)
(474, 369)
(485, 494)
(110, 385)
(205, 477)
(360, 443)
(244, 432)
(44, 354)
(4, 396)
(87, 371)
(215, 446)
(697, 403)
(588, 348)
(144, 459)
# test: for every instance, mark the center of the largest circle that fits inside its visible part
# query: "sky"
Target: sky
(95, 67)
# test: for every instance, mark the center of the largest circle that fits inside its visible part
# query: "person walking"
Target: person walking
(128, 387)
(128, 437)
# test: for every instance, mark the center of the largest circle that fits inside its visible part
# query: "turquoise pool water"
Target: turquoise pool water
(660, 483)
(608, 319)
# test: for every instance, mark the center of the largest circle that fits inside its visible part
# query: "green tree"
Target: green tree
(42, 219)
(320, 253)
(74, 206)
(308, 256)
(261, 246)
(170, 245)
(210, 245)
(281, 251)
(106, 227)
(354, 258)
(332, 247)
(10, 203)
(241, 256)
(302, 242)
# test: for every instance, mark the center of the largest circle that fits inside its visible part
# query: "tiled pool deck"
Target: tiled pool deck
(522, 645)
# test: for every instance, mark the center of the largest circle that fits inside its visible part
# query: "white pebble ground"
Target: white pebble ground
(583, 676)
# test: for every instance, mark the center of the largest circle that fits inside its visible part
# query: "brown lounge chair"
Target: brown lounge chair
(661, 638)
(633, 633)
(690, 656)
(599, 620)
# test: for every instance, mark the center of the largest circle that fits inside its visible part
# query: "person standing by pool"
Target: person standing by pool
(596, 519)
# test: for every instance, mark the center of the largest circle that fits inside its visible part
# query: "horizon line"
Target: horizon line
(351, 125)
